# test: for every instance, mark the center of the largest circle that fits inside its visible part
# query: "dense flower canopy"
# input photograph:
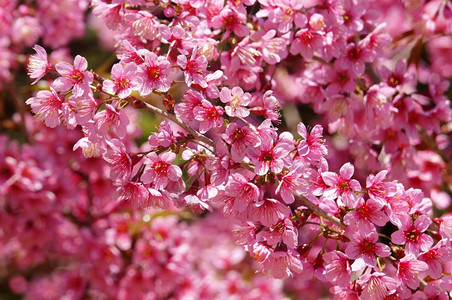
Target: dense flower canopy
(317, 131)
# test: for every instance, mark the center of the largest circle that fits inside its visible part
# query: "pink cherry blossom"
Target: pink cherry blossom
(240, 139)
(124, 81)
(411, 234)
(408, 271)
(194, 68)
(312, 145)
(47, 107)
(159, 169)
(337, 268)
(268, 211)
(342, 185)
(120, 161)
(236, 101)
(209, 116)
(366, 215)
(154, 73)
(366, 247)
(111, 119)
(73, 76)
(38, 64)
(243, 191)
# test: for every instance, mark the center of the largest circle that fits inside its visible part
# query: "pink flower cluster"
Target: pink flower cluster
(366, 230)
(61, 236)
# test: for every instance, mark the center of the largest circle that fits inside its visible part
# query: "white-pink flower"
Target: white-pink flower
(125, 80)
(73, 76)
(236, 101)
(38, 64)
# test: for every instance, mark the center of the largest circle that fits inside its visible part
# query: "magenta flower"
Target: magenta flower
(408, 271)
(284, 232)
(398, 77)
(154, 73)
(283, 264)
(269, 157)
(194, 68)
(159, 170)
(243, 190)
(411, 234)
(240, 139)
(134, 194)
(232, 20)
(354, 58)
(337, 268)
(38, 64)
(379, 190)
(273, 48)
(312, 144)
(268, 211)
(291, 183)
(73, 76)
(111, 119)
(47, 107)
(342, 185)
(185, 110)
(235, 100)
(366, 247)
(208, 115)
(366, 214)
(436, 257)
(124, 81)
(377, 286)
(306, 41)
(119, 160)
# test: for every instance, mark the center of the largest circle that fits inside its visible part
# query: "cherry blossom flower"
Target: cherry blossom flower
(283, 231)
(366, 214)
(208, 115)
(47, 107)
(291, 183)
(268, 211)
(232, 20)
(337, 268)
(377, 286)
(305, 42)
(194, 68)
(366, 247)
(342, 185)
(408, 271)
(124, 80)
(243, 191)
(38, 64)
(282, 264)
(159, 169)
(240, 139)
(154, 72)
(311, 144)
(73, 76)
(411, 234)
(111, 119)
(437, 256)
(269, 157)
(119, 160)
(236, 101)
